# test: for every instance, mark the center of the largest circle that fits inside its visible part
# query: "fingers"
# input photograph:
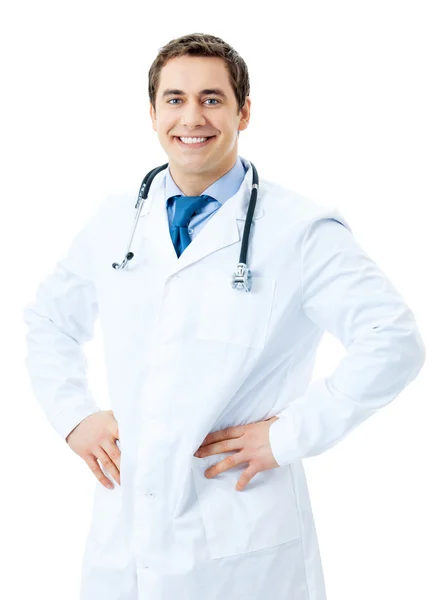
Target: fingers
(226, 445)
(228, 463)
(94, 466)
(245, 477)
(112, 450)
(107, 462)
(223, 434)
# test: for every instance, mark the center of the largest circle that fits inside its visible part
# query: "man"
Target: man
(211, 410)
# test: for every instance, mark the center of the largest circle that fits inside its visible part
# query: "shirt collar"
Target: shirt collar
(222, 189)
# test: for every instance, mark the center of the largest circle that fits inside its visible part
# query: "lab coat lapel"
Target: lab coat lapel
(222, 229)
(158, 245)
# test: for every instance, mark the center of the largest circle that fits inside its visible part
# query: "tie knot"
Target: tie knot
(186, 207)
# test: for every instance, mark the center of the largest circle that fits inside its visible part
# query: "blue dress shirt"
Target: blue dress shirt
(222, 189)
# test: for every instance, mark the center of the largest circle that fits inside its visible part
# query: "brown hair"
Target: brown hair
(202, 44)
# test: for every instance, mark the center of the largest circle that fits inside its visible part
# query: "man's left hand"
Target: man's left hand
(252, 443)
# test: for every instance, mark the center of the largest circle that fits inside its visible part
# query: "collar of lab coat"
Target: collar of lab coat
(220, 231)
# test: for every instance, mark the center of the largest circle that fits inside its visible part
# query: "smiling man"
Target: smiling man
(198, 125)
(212, 405)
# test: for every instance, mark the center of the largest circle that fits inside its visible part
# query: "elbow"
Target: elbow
(394, 362)
(402, 343)
(417, 353)
(409, 354)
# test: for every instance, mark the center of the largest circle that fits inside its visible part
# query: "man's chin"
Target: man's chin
(190, 165)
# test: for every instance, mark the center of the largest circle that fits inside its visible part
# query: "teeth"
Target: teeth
(193, 140)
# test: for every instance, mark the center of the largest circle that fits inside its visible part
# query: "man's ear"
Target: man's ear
(245, 115)
(153, 116)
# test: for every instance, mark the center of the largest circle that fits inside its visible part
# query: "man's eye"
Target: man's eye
(211, 99)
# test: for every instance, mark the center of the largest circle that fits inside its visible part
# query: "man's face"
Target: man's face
(184, 110)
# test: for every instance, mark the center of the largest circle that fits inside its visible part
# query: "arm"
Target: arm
(60, 320)
(345, 293)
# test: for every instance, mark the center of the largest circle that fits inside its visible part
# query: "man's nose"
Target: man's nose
(192, 115)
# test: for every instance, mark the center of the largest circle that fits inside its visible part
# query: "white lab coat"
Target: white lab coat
(186, 355)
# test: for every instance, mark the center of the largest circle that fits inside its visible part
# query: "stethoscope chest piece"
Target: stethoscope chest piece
(242, 278)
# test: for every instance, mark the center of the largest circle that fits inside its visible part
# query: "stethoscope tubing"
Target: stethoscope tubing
(242, 278)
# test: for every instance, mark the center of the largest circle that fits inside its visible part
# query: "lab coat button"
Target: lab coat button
(190, 230)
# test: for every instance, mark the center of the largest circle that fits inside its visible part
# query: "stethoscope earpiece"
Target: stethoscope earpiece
(118, 266)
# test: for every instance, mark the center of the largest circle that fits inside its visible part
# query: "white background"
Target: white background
(347, 109)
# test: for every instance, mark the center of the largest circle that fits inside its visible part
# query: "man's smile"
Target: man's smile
(194, 145)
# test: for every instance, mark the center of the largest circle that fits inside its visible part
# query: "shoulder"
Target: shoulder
(288, 205)
(115, 207)
(118, 202)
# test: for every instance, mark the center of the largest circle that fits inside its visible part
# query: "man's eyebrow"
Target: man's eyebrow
(211, 91)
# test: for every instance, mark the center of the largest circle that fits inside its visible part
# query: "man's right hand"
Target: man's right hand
(94, 439)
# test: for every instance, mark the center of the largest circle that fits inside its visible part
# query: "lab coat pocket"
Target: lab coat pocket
(262, 515)
(235, 316)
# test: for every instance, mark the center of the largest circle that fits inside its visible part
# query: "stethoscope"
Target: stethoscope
(242, 278)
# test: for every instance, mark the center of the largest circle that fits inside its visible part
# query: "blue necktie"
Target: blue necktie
(185, 208)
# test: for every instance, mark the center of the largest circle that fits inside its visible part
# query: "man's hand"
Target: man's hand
(95, 438)
(251, 440)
